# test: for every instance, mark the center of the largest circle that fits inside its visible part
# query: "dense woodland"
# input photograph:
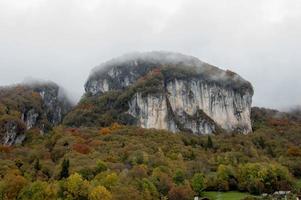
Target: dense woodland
(108, 160)
(124, 162)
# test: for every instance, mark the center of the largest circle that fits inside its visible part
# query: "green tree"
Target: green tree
(39, 190)
(179, 177)
(37, 165)
(209, 142)
(65, 169)
(198, 183)
(149, 190)
(100, 166)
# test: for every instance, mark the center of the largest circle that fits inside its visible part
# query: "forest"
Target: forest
(127, 162)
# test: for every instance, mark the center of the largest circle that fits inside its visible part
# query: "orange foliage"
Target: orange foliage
(115, 126)
(81, 148)
(5, 149)
(105, 131)
(36, 95)
(294, 151)
(95, 143)
(278, 122)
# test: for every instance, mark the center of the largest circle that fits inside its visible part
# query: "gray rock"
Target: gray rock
(195, 96)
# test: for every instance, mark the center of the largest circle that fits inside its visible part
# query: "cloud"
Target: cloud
(63, 40)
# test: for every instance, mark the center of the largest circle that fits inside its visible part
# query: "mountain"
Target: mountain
(165, 90)
(27, 106)
(110, 144)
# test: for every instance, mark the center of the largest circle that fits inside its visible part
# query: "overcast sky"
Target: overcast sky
(62, 40)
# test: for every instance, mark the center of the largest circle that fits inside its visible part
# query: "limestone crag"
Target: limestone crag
(29, 106)
(179, 93)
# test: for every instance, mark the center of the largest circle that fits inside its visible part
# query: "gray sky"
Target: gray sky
(62, 40)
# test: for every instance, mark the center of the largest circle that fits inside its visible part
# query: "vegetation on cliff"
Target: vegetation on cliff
(38, 105)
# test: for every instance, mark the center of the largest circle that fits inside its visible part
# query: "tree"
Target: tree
(149, 189)
(198, 183)
(77, 187)
(81, 148)
(209, 142)
(100, 193)
(179, 177)
(183, 192)
(37, 165)
(100, 166)
(38, 190)
(65, 169)
(12, 184)
(162, 181)
(106, 179)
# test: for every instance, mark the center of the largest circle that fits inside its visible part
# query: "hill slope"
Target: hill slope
(149, 163)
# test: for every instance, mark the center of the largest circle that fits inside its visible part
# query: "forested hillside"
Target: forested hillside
(124, 162)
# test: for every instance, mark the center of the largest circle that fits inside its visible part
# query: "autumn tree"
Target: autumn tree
(77, 187)
(100, 193)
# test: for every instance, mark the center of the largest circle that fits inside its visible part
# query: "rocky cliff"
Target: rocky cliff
(168, 91)
(22, 107)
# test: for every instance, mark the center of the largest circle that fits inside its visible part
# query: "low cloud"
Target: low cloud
(63, 40)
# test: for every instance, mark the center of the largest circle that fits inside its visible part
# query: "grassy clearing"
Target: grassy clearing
(226, 195)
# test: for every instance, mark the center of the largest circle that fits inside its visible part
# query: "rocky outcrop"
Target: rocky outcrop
(22, 107)
(12, 132)
(176, 92)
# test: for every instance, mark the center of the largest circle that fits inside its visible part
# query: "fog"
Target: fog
(63, 40)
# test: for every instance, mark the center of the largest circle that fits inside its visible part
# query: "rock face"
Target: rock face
(176, 92)
(23, 107)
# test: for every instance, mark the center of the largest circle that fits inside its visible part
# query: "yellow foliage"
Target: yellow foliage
(76, 186)
(13, 184)
(115, 126)
(100, 193)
